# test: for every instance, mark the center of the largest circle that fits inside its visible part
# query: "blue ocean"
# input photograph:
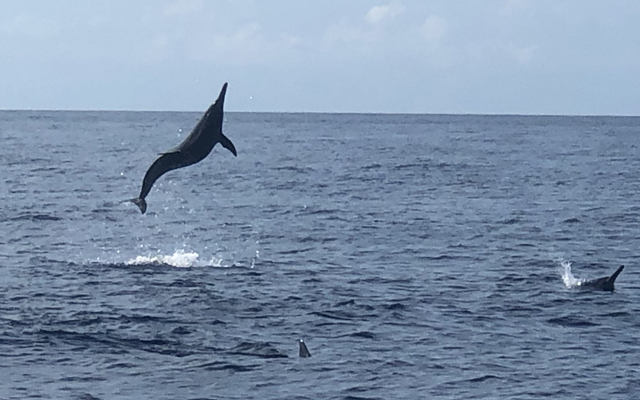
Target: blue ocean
(418, 257)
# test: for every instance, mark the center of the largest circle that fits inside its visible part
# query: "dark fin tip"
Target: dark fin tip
(615, 274)
(141, 203)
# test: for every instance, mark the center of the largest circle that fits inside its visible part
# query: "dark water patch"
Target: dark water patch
(396, 364)
(147, 319)
(548, 394)
(445, 257)
(82, 322)
(484, 378)
(337, 315)
(395, 306)
(616, 314)
(249, 272)
(53, 168)
(381, 281)
(372, 166)
(350, 397)
(321, 211)
(257, 349)
(350, 302)
(297, 251)
(293, 168)
(226, 366)
(35, 217)
(86, 396)
(511, 278)
(182, 330)
(572, 322)
(121, 366)
(186, 283)
(319, 240)
(154, 267)
(90, 378)
(360, 335)
(420, 166)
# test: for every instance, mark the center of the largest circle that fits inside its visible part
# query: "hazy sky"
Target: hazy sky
(415, 56)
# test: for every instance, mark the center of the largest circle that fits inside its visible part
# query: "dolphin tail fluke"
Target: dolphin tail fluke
(613, 277)
(141, 203)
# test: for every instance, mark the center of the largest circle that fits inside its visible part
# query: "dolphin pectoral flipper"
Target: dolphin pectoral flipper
(226, 143)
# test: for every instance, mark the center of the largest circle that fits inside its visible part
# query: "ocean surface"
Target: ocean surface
(418, 256)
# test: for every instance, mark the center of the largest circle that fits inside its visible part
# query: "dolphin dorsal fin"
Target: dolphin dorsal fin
(614, 276)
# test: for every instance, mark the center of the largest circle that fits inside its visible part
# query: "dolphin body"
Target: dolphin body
(605, 283)
(194, 148)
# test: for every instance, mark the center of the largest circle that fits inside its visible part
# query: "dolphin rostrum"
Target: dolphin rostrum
(605, 283)
(194, 148)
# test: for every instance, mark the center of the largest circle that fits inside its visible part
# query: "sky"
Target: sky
(567, 57)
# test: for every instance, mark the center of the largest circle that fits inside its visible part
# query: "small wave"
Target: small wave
(257, 349)
(35, 217)
(361, 334)
(572, 322)
(222, 366)
(294, 169)
(483, 378)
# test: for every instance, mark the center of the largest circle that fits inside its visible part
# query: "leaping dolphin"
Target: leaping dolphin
(605, 283)
(194, 148)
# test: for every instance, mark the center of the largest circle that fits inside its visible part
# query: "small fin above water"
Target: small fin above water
(606, 283)
(613, 277)
(304, 352)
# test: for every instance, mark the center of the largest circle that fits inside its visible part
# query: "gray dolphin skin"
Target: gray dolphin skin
(304, 352)
(193, 149)
(605, 283)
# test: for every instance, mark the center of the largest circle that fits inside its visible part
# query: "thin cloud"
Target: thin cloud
(247, 44)
(511, 7)
(379, 14)
(180, 8)
(523, 54)
(434, 29)
(31, 26)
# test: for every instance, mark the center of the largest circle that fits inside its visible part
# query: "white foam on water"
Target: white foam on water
(569, 280)
(180, 259)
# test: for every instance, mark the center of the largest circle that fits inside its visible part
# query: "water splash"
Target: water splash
(569, 280)
(180, 259)
(254, 259)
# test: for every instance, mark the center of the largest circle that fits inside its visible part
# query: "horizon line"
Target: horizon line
(325, 112)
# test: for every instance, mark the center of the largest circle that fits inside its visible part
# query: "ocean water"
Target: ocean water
(418, 256)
